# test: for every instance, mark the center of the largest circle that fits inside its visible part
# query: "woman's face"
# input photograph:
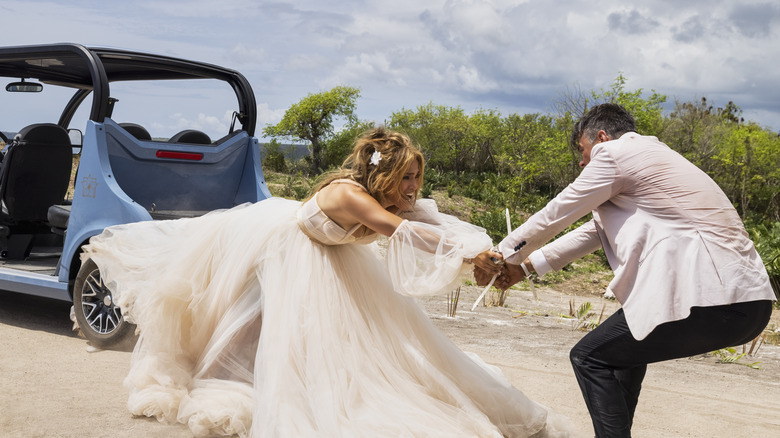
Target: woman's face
(408, 188)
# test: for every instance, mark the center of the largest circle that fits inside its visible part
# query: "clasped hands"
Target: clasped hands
(489, 263)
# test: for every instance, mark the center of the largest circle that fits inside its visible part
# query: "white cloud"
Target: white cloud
(469, 79)
(268, 116)
(243, 55)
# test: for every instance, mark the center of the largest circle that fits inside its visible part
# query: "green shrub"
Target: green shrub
(494, 222)
(766, 237)
(273, 158)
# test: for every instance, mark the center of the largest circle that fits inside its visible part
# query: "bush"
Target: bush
(766, 237)
(273, 158)
(494, 222)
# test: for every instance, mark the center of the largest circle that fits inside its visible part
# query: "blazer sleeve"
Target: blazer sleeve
(598, 182)
(572, 246)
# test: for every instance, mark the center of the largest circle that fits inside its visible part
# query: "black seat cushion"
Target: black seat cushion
(136, 131)
(58, 216)
(191, 136)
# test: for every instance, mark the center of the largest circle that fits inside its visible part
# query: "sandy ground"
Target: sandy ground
(51, 385)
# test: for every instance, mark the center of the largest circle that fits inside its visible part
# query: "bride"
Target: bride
(278, 319)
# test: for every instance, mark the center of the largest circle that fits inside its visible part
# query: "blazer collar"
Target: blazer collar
(598, 147)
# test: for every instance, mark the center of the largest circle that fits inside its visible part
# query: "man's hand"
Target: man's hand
(510, 274)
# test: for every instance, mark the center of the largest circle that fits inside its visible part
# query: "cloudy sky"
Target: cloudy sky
(509, 55)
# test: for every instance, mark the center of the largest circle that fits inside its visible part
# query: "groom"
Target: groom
(686, 273)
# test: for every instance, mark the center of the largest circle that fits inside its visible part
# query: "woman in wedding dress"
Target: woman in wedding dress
(282, 319)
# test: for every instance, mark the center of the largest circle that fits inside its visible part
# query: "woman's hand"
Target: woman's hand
(488, 262)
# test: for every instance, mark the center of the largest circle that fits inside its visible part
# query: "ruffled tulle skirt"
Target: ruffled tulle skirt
(249, 327)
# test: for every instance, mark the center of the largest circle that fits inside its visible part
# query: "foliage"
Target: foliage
(746, 165)
(452, 302)
(311, 120)
(291, 186)
(340, 145)
(730, 355)
(582, 316)
(771, 334)
(695, 131)
(450, 139)
(766, 237)
(494, 222)
(273, 158)
(535, 155)
(438, 130)
(647, 112)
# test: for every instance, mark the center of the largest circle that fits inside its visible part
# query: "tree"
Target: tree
(340, 145)
(535, 155)
(451, 139)
(273, 158)
(696, 131)
(747, 167)
(647, 111)
(483, 137)
(311, 120)
(438, 130)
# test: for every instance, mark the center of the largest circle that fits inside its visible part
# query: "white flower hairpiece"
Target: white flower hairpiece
(376, 157)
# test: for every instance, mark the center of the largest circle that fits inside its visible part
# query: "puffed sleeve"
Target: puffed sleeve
(426, 256)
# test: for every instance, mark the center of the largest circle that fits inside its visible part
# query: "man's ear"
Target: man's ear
(602, 136)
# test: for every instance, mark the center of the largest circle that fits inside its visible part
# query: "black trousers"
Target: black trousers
(610, 364)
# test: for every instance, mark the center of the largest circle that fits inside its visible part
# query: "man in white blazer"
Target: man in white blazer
(686, 273)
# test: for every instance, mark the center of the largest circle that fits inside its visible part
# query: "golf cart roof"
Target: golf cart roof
(92, 69)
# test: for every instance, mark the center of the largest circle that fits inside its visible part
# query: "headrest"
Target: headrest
(136, 131)
(190, 136)
(43, 133)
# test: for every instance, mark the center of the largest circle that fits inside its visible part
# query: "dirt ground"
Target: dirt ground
(53, 385)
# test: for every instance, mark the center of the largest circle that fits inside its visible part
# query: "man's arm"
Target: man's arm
(597, 183)
(554, 256)
(569, 247)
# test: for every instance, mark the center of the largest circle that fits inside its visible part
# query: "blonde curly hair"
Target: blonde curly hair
(383, 179)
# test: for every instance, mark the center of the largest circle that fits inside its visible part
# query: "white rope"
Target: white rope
(482, 295)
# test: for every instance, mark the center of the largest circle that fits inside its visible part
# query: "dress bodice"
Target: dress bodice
(321, 228)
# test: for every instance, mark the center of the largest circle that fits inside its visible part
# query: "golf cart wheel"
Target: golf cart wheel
(99, 319)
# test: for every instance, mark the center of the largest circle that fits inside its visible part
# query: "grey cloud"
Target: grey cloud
(437, 30)
(632, 22)
(691, 30)
(756, 20)
(324, 22)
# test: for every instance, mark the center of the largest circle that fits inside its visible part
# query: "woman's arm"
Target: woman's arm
(348, 205)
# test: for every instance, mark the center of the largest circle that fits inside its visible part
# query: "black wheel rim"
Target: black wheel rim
(98, 306)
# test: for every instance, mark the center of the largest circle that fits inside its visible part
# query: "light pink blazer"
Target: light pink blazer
(670, 234)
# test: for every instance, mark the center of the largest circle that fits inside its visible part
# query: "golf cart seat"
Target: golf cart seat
(59, 216)
(35, 175)
(190, 136)
(137, 131)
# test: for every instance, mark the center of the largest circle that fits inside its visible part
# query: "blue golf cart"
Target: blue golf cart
(75, 166)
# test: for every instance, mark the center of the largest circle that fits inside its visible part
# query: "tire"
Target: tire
(99, 319)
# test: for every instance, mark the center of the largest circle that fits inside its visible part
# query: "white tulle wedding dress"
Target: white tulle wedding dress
(270, 320)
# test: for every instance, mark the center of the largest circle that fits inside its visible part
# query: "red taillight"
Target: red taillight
(195, 156)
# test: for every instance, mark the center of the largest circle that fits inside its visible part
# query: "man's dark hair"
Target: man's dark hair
(608, 117)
